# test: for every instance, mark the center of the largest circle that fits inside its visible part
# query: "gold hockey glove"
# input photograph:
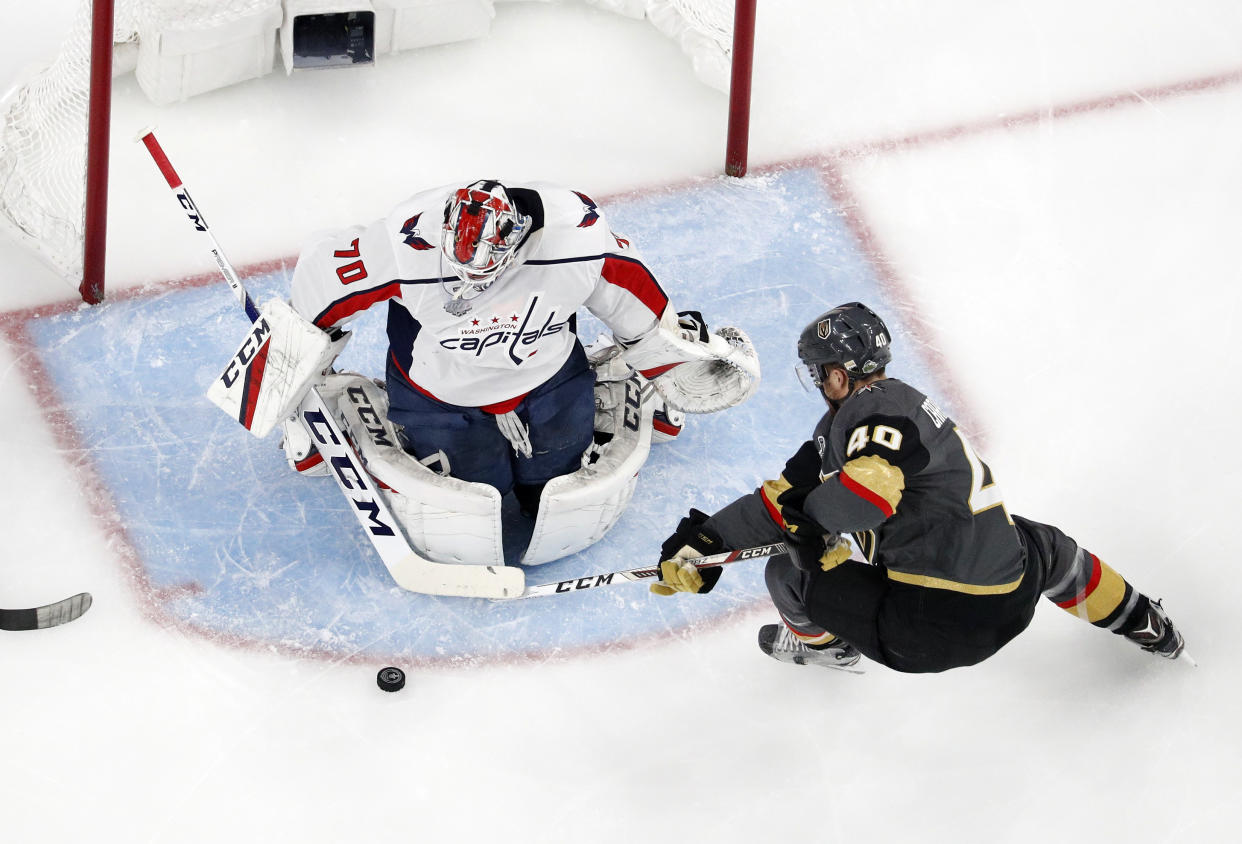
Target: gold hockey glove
(837, 551)
(810, 546)
(694, 538)
(678, 575)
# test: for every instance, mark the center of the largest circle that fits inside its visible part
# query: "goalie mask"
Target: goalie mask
(482, 230)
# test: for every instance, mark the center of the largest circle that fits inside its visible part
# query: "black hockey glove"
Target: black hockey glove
(811, 548)
(694, 538)
(802, 475)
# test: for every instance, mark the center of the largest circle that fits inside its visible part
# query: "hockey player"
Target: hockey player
(950, 576)
(487, 382)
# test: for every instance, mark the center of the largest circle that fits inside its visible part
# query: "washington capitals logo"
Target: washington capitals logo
(412, 237)
(517, 335)
(591, 215)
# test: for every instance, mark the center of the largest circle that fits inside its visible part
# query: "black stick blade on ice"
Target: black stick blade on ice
(51, 615)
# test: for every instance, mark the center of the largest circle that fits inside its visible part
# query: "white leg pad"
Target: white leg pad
(575, 511)
(445, 519)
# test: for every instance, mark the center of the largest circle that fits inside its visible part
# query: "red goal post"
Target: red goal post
(55, 125)
(741, 61)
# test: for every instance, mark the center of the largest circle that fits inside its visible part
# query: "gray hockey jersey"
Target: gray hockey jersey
(893, 470)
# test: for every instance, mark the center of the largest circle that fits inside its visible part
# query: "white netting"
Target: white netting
(702, 28)
(43, 124)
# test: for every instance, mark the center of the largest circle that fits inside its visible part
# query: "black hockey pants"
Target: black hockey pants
(909, 628)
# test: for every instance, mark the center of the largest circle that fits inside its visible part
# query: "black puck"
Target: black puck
(390, 679)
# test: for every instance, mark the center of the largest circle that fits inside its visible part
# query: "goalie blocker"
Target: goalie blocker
(280, 358)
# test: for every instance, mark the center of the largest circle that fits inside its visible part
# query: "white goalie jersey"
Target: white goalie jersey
(510, 338)
(490, 350)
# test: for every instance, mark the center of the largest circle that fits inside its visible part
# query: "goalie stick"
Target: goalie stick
(410, 570)
(50, 615)
(652, 573)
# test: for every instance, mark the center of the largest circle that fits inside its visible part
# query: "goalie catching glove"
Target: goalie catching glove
(694, 370)
(694, 538)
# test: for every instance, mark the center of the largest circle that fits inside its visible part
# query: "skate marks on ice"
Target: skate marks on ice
(233, 546)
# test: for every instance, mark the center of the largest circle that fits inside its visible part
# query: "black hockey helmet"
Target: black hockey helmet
(851, 336)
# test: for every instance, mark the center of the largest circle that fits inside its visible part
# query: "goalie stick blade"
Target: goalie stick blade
(458, 581)
(50, 615)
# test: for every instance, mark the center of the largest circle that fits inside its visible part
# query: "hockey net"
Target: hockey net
(43, 124)
(46, 162)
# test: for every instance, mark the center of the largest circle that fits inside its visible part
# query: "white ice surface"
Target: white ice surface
(1075, 269)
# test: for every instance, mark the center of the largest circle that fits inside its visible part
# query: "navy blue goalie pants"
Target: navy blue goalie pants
(465, 442)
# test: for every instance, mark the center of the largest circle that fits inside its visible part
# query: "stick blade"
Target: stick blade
(51, 615)
(64, 611)
(459, 581)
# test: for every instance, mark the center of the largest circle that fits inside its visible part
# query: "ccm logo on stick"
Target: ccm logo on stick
(352, 478)
(191, 210)
(765, 551)
(584, 583)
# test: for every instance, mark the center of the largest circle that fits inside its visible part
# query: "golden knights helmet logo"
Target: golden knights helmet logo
(851, 336)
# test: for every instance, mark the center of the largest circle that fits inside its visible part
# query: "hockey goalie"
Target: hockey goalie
(488, 390)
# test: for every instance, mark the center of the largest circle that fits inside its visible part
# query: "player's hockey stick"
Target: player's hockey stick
(37, 618)
(410, 570)
(651, 573)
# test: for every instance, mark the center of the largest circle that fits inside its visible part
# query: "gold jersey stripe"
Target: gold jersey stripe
(773, 489)
(769, 492)
(952, 585)
(879, 477)
(1103, 598)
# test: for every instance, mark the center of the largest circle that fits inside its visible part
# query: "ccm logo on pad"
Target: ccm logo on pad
(250, 347)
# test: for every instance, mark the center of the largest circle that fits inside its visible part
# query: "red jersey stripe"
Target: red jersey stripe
(503, 406)
(866, 494)
(772, 511)
(495, 409)
(1092, 582)
(409, 380)
(343, 309)
(631, 275)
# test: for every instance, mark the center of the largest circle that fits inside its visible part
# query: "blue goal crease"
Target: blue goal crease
(277, 558)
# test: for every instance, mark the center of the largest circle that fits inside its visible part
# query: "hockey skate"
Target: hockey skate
(778, 642)
(1157, 634)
